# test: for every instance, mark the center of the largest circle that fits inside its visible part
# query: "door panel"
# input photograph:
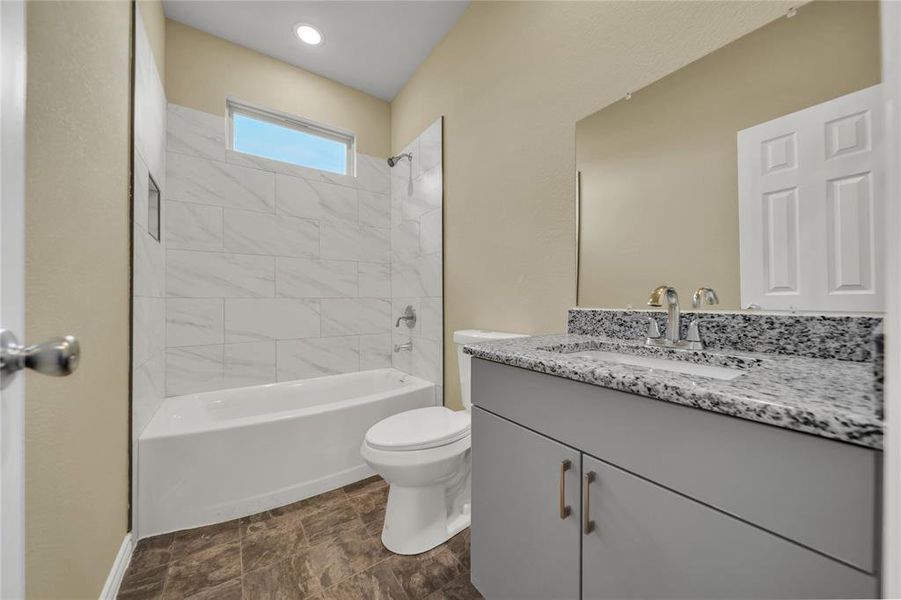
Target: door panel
(649, 542)
(521, 547)
(810, 203)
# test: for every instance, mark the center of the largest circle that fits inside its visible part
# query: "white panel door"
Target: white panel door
(12, 292)
(811, 206)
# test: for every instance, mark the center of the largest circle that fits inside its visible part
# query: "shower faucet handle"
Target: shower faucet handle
(408, 316)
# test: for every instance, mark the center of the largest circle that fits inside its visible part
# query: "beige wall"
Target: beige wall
(155, 25)
(512, 79)
(202, 70)
(77, 281)
(659, 174)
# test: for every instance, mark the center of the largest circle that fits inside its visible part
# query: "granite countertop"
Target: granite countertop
(830, 398)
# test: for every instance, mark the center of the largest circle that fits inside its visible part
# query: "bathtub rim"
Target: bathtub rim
(155, 430)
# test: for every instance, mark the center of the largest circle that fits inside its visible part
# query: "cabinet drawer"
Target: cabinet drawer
(817, 492)
(649, 542)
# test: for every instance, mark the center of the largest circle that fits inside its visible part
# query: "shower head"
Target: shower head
(396, 159)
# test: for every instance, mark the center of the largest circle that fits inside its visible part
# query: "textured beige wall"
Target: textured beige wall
(77, 281)
(512, 79)
(659, 174)
(202, 70)
(155, 24)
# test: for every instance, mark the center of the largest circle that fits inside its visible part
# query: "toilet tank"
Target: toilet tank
(474, 336)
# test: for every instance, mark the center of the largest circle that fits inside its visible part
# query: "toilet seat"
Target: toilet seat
(419, 429)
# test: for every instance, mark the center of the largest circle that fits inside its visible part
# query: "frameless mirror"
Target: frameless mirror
(755, 171)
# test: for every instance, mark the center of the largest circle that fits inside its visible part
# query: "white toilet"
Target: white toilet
(424, 455)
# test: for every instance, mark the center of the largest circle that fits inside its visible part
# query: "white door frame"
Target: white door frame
(12, 292)
(891, 78)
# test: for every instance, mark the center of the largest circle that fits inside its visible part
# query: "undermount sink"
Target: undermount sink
(662, 364)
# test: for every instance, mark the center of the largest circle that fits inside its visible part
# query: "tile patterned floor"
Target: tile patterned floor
(323, 548)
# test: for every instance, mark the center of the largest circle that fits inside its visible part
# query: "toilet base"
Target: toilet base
(416, 519)
(428, 494)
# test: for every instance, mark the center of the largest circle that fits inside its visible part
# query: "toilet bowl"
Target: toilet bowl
(424, 455)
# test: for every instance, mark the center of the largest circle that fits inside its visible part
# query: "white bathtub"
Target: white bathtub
(210, 457)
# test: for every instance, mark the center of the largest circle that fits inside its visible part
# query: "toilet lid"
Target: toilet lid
(419, 429)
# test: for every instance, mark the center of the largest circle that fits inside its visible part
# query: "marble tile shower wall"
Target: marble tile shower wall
(273, 272)
(148, 384)
(416, 255)
(148, 253)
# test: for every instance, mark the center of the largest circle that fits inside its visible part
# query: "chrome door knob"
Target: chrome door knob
(57, 357)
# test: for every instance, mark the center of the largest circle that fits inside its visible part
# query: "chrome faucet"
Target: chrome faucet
(406, 347)
(409, 317)
(704, 295)
(666, 295)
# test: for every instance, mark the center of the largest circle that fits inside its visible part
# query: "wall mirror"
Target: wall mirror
(755, 170)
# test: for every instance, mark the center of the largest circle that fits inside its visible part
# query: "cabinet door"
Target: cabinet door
(521, 547)
(649, 542)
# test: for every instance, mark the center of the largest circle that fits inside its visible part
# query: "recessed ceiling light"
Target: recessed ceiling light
(308, 34)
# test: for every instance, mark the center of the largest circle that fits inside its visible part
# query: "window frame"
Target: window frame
(308, 126)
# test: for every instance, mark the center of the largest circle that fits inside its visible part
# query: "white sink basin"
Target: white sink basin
(662, 364)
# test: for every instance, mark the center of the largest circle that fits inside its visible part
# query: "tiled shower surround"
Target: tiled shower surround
(275, 272)
(416, 251)
(148, 253)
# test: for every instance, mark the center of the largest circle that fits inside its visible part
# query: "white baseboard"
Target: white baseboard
(117, 572)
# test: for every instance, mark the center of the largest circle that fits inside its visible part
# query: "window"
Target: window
(290, 139)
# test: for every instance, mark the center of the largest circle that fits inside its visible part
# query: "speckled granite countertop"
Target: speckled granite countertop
(830, 398)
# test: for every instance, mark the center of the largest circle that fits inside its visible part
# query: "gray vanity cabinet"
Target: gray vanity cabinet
(649, 542)
(664, 524)
(521, 547)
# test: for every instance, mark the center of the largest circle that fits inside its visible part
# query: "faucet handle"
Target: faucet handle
(653, 329)
(693, 338)
(408, 316)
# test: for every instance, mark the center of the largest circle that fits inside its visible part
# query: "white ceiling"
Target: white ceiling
(373, 46)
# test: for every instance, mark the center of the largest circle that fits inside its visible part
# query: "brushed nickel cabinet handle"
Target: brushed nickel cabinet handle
(588, 525)
(564, 509)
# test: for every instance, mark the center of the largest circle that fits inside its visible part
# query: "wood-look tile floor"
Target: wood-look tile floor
(323, 548)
